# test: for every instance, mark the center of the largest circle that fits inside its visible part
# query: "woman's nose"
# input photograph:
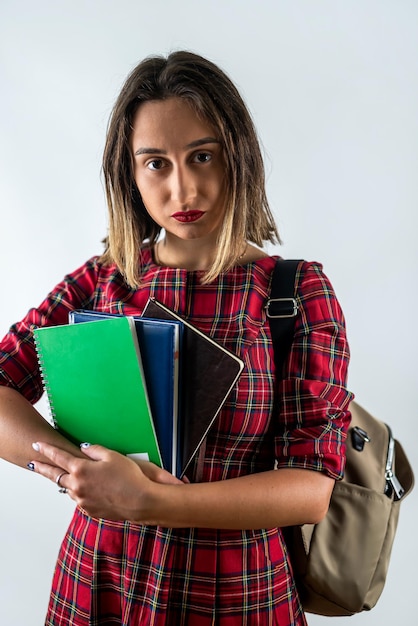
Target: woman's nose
(183, 187)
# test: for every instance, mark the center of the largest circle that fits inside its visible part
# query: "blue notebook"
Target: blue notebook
(159, 343)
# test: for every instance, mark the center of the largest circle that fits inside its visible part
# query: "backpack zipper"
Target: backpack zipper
(392, 483)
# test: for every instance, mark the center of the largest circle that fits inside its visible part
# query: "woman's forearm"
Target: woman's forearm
(109, 485)
(265, 500)
(21, 425)
(269, 499)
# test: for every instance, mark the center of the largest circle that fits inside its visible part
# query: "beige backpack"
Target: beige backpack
(340, 564)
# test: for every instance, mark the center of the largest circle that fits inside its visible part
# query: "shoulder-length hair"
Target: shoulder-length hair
(215, 98)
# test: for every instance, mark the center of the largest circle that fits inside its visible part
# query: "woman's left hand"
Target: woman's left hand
(105, 484)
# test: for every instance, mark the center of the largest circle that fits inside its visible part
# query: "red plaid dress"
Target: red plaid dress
(122, 573)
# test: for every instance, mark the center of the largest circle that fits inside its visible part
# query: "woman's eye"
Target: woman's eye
(202, 157)
(155, 164)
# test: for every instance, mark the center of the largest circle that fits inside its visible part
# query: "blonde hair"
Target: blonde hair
(215, 98)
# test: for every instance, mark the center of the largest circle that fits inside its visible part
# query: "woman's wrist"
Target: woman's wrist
(157, 504)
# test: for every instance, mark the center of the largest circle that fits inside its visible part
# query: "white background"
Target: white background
(332, 86)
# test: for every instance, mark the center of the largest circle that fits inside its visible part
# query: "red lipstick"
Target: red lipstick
(188, 216)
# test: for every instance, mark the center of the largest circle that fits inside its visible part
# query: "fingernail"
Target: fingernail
(36, 447)
(31, 466)
(85, 445)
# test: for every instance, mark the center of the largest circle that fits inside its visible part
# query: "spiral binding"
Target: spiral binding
(45, 384)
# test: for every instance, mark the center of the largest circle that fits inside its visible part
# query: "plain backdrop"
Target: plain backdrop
(332, 86)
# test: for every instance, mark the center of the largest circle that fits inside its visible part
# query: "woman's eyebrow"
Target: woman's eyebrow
(150, 151)
(192, 144)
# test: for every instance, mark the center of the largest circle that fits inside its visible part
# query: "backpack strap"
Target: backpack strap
(282, 308)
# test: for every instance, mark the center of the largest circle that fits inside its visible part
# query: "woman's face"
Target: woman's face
(179, 168)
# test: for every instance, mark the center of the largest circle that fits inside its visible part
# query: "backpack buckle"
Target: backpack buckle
(281, 307)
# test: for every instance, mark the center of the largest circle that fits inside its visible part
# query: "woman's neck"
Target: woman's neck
(190, 255)
(195, 255)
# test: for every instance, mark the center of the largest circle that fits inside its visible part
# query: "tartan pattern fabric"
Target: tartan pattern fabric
(124, 573)
(112, 573)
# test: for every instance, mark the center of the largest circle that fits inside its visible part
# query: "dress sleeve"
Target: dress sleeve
(18, 361)
(313, 398)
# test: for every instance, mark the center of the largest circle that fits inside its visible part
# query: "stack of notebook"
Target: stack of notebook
(138, 385)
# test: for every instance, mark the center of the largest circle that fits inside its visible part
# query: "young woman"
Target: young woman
(188, 217)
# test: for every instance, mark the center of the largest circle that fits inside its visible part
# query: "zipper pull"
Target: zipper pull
(392, 483)
(394, 486)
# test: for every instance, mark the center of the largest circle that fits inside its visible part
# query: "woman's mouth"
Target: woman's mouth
(188, 216)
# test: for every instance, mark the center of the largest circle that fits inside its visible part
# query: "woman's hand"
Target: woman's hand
(105, 484)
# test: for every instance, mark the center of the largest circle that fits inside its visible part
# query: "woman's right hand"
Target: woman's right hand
(158, 474)
(105, 483)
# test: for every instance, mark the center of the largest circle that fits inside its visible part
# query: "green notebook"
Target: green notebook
(95, 385)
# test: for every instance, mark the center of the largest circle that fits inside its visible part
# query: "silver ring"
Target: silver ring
(62, 490)
(58, 478)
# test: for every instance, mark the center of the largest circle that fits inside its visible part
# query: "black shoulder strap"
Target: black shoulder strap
(282, 309)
